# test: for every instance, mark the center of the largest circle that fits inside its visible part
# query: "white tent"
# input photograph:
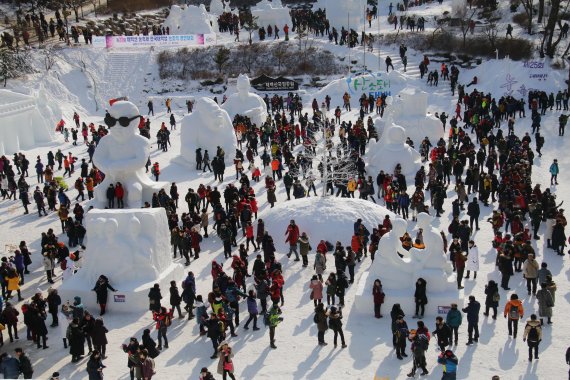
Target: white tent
(22, 125)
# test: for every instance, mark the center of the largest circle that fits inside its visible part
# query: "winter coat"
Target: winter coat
(472, 311)
(252, 305)
(420, 293)
(98, 333)
(150, 345)
(174, 296)
(101, 289)
(530, 269)
(321, 320)
(93, 366)
(545, 303)
(154, 298)
(317, 289)
(472, 262)
(76, 340)
(10, 367)
(443, 333)
(454, 318)
(378, 295)
(510, 305)
(335, 321)
(147, 368)
(331, 287)
(304, 246)
(529, 325)
(320, 263)
(490, 292)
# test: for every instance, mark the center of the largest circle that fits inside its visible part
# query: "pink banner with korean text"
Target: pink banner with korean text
(157, 41)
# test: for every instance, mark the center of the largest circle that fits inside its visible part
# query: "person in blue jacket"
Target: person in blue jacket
(449, 362)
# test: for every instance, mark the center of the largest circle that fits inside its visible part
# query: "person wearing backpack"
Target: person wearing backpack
(320, 320)
(443, 333)
(420, 344)
(472, 311)
(492, 298)
(163, 320)
(515, 311)
(533, 336)
(545, 303)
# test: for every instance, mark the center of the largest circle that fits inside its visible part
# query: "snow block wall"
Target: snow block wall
(130, 247)
(272, 13)
(22, 125)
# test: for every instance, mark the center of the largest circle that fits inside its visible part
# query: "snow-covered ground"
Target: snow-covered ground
(369, 351)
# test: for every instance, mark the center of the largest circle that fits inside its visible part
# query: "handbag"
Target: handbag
(312, 296)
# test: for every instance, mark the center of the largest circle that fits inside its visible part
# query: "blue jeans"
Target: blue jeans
(293, 248)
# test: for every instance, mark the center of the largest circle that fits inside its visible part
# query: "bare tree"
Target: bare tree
(248, 55)
(437, 25)
(14, 64)
(528, 8)
(554, 19)
(491, 31)
(49, 57)
(464, 24)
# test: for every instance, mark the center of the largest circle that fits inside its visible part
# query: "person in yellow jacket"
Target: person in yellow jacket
(13, 283)
(351, 187)
(514, 311)
(63, 214)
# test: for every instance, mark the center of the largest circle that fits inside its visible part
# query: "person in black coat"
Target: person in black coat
(491, 298)
(95, 366)
(149, 344)
(341, 285)
(214, 333)
(175, 298)
(39, 327)
(154, 298)
(474, 211)
(99, 337)
(101, 289)
(53, 301)
(76, 340)
(420, 297)
(443, 333)
(87, 324)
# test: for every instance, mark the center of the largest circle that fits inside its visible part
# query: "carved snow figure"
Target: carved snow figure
(246, 103)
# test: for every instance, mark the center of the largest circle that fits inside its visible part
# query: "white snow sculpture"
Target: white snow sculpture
(246, 103)
(188, 20)
(207, 127)
(272, 13)
(24, 121)
(399, 274)
(391, 150)
(122, 156)
(129, 246)
(410, 111)
(217, 7)
(344, 13)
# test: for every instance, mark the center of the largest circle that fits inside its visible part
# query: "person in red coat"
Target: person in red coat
(378, 295)
(196, 239)
(119, 194)
(292, 234)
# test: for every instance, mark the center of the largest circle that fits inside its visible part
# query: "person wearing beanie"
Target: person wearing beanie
(449, 362)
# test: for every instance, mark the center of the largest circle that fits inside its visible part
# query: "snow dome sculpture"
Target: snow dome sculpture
(24, 121)
(122, 156)
(217, 7)
(323, 218)
(344, 13)
(246, 103)
(409, 110)
(207, 127)
(188, 20)
(391, 150)
(272, 13)
(399, 269)
(129, 246)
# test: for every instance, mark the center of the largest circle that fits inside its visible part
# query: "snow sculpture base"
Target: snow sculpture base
(364, 303)
(131, 248)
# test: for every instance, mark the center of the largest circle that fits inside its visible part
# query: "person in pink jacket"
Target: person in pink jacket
(316, 286)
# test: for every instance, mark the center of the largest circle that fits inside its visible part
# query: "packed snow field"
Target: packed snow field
(369, 353)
